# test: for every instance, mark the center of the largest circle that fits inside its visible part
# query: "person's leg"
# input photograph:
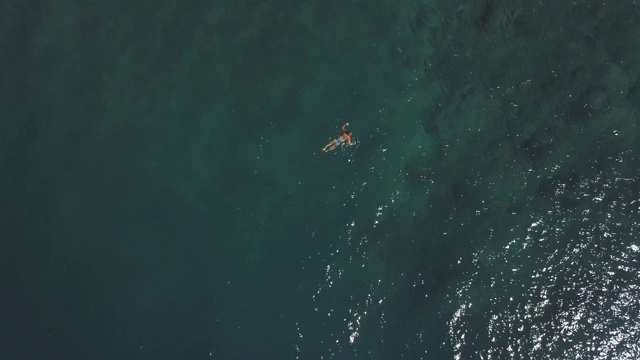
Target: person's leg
(330, 146)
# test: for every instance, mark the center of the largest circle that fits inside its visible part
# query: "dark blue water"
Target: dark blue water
(164, 194)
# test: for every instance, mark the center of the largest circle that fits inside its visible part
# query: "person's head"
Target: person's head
(348, 133)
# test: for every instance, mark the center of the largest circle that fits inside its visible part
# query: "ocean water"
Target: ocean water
(164, 195)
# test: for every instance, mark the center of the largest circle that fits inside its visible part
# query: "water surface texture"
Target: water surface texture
(164, 195)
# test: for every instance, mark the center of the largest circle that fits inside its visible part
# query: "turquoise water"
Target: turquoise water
(164, 193)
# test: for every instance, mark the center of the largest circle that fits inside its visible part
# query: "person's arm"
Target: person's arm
(344, 127)
(351, 143)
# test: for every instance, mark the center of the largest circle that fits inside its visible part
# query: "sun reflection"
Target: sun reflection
(586, 309)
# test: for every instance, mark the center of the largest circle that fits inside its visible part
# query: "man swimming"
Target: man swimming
(345, 138)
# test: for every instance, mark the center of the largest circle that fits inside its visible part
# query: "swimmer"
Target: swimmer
(345, 138)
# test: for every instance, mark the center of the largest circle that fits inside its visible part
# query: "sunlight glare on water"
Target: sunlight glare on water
(577, 271)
